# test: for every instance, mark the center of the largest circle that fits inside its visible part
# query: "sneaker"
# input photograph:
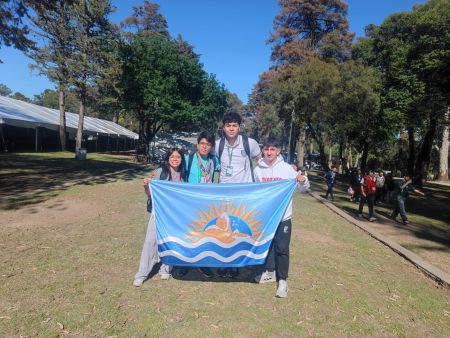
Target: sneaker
(266, 277)
(138, 282)
(406, 222)
(206, 272)
(282, 289)
(180, 272)
(371, 219)
(360, 215)
(165, 276)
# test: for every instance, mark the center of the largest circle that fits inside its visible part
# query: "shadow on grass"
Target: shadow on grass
(422, 210)
(33, 178)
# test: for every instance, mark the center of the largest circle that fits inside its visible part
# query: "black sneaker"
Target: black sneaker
(180, 272)
(206, 272)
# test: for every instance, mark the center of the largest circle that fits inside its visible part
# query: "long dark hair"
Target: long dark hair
(165, 172)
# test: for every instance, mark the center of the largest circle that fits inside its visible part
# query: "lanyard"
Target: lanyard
(230, 154)
(205, 172)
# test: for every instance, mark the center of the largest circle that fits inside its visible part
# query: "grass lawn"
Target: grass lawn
(30, 178)
(67, 266)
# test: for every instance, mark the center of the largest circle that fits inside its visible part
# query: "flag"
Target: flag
(218, 225)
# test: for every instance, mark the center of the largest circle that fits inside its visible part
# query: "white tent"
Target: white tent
(27, 115)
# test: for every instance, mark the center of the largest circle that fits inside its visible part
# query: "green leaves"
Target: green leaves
(164, 85)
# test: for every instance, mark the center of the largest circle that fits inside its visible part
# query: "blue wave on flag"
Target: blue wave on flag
(218, 225)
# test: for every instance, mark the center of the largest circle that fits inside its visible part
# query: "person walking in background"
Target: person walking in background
(330, 179)
(403, 187)
(380, 182)
(389, 186)
(368, 191)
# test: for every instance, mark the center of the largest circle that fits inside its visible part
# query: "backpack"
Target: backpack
(191, 159)
(246, 148)
(164, 176)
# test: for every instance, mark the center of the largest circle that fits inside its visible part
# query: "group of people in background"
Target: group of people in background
(375, 187)
(231, 156)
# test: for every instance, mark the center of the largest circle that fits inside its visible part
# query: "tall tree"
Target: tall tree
(305, 30)
(145, 21)
(53, 28)
(310, 28)
(93, 33)
(13, 31)
(161, 85)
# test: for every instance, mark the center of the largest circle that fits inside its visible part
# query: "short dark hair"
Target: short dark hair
(232, 118)
(271, 142)
(205, 135)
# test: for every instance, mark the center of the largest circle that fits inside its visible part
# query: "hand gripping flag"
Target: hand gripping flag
(218, 225)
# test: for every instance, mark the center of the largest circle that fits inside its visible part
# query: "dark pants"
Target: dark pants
(278, 256)
(400, 208)
(357, 192)
(370, 201)
(330, 190)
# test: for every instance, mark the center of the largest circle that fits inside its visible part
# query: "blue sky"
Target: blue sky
(230, 36)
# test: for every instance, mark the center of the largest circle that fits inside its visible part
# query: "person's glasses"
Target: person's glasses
(206, 144)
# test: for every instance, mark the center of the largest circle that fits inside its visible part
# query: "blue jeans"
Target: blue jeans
(400, 208)
(330, 190)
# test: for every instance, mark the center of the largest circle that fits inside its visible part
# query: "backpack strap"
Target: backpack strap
(164, 174)
(221, 146)
(190, 160)
(247, 151)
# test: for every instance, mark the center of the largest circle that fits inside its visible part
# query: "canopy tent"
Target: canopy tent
(27, 115)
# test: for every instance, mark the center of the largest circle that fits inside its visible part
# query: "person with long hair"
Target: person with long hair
(172, 169)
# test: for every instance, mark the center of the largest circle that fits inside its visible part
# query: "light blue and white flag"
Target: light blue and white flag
(218, 225)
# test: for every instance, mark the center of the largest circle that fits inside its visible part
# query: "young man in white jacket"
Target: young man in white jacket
(272, 167)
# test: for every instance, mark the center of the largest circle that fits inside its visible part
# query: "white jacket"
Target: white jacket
(280, 170)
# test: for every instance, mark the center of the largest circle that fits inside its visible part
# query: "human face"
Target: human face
(175, 160)
(270, 154)
(231, 130)
(204, 147)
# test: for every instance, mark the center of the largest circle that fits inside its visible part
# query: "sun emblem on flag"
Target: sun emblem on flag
(225, 222)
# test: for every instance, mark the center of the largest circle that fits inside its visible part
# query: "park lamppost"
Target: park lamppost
(290, 137)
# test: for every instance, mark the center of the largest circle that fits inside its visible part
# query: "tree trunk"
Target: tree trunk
(423, 158)
(319, 139)
(365, 153)
(330, 158)
(81, 121)
(62, 119)
(301, 146)
(443, 153)
(115, 117)
(412, 151)
(292, 145)
(350, 158)
(341, 158)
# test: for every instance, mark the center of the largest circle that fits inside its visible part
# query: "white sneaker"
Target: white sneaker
(138, 282)
(360, 215)
(371, 219)
(266, 277)
(165, 276)
(282, 290)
